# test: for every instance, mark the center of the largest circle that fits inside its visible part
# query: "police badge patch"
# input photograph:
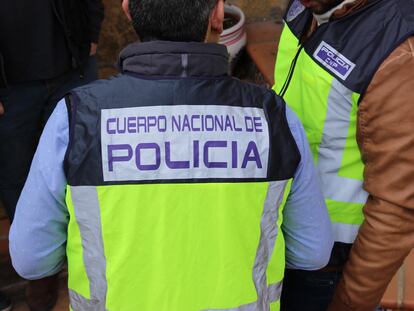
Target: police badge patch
(334, 61)
(295, 10)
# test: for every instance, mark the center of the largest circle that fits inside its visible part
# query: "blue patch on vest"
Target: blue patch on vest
(334, 61)
(295, 9)
(184, 142)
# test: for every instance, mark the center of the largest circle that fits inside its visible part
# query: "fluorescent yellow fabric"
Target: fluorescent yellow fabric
(345, 212)
(169, 262)
(192, 248)
(275, 306)
(308, 96)
(307, 78)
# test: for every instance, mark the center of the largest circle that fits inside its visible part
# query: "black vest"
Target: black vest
(174, 75)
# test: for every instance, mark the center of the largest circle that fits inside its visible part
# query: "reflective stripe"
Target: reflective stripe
(331, 150)
(345, 233)
(88, 216)
(273, 293)
(268, 234)
(80, 303)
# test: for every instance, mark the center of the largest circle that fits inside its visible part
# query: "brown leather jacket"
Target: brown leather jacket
(386, 139)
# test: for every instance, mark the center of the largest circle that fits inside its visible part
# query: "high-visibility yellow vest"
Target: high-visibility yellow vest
(177, 207)
(323, 80)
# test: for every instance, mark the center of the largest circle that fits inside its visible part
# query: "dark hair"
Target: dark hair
(171, 20)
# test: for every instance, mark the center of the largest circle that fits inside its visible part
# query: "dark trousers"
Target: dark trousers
(27, 107)
(308, 290)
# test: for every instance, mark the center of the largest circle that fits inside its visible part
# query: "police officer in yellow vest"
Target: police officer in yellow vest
(173, 186)
(329, 55)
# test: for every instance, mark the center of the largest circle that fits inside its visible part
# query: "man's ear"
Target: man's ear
(217, 17)
(125, 8)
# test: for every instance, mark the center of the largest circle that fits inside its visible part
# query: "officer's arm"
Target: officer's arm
(38, 233)
(306, 225)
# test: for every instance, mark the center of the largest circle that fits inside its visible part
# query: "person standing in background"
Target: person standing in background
(346, 67)
(47, 47)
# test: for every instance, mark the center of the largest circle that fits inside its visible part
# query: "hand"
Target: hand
(1, 109)
(94, 48)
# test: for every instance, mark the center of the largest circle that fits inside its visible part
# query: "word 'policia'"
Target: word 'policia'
(251, 154)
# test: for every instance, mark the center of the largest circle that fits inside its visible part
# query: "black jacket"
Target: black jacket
(42, 39)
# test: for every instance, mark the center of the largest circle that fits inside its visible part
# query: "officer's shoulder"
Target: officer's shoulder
(253, 86)
(103, 86)
(257, 90)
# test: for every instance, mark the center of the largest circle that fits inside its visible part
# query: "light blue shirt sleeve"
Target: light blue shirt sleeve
(38, 233)
(306, 224)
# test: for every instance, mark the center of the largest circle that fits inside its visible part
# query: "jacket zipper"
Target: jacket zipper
(301, 45)
(291, 72)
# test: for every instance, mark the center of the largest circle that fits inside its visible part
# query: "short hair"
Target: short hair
(171, 20)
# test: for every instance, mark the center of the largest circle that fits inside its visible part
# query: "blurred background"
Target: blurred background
(117, 32)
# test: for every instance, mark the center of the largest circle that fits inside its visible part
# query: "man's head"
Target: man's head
(320, 6)
(176, 20)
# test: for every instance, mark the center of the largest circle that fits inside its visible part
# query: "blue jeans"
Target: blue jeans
(308, 290)
(27, 107)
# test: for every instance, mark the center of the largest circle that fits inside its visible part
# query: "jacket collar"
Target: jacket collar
(349, 8)
(338, 13)
(175, 59)
(324, 18)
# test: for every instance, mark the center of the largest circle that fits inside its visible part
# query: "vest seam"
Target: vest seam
(286, 125)
(71, 102)
(174, 77)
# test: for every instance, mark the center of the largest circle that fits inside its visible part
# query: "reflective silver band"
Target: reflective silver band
(88, 217)
(332, 147)
(80, 303)
(268, 235)
(273, 293)
(345, 233)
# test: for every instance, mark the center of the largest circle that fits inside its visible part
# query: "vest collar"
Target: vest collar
(175, 59)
